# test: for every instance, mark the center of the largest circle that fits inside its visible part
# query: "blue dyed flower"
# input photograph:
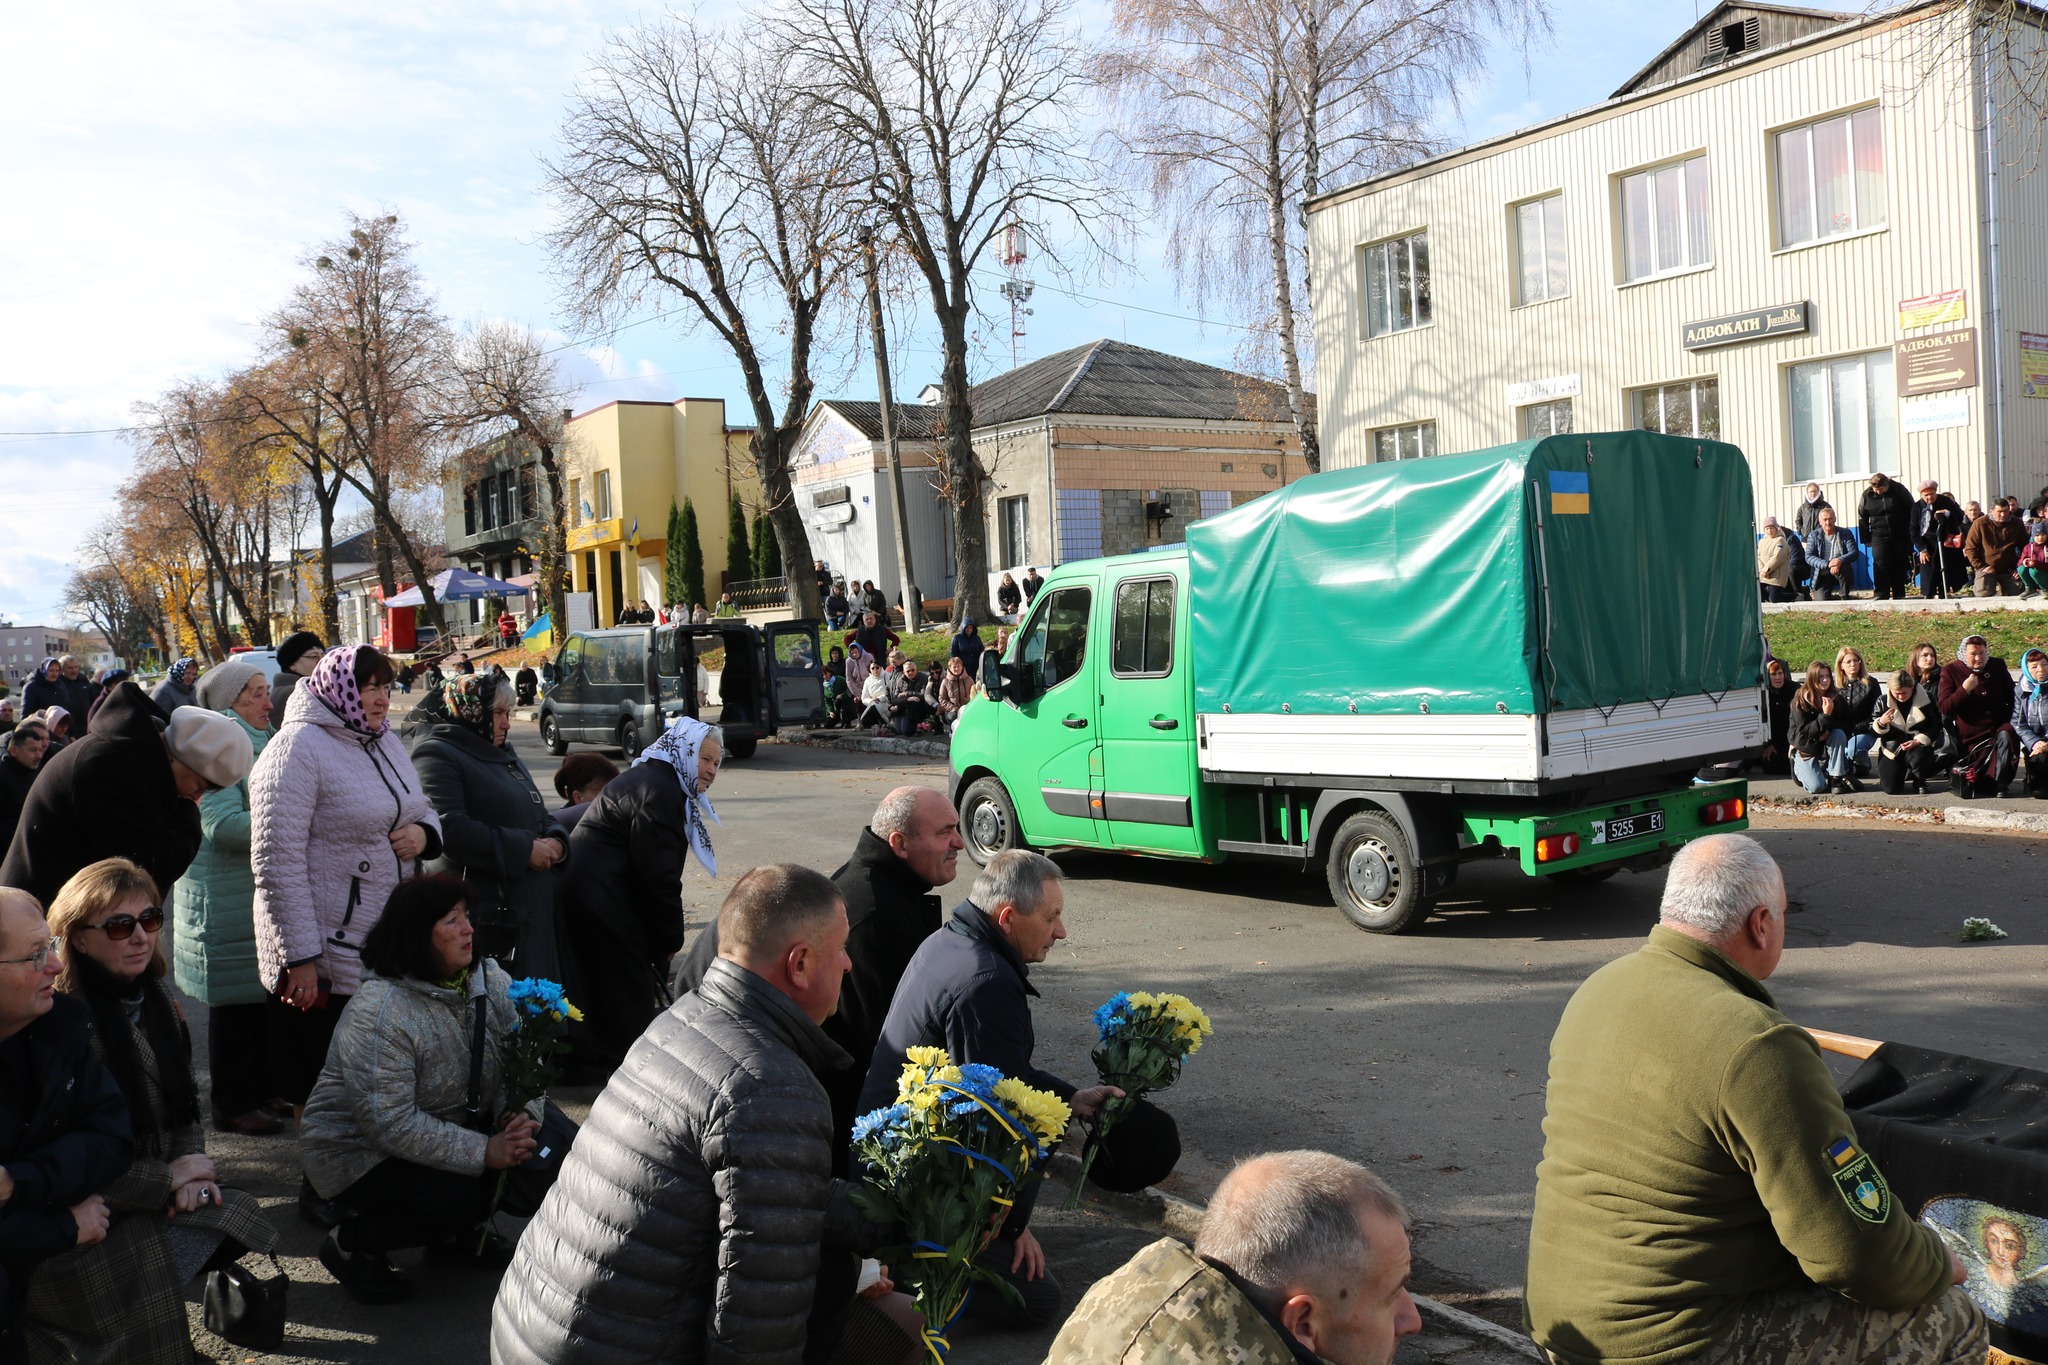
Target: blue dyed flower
(1111, 1016)
(536, 995)
(978, 1079)
(878, 1121)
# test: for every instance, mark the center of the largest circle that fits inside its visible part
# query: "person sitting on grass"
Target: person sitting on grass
(2030, 720)
(1913, 746)
(1820, 744)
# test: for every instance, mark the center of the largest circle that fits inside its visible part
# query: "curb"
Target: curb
(1181, 1219)
(867, 744)
(1961, 817)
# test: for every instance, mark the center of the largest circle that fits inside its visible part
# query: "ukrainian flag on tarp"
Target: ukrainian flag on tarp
(1963, 1143)
(1571, 493)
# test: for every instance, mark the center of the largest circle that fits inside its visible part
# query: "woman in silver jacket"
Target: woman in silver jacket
(394, 1133)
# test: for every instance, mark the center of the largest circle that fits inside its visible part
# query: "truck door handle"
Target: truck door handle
(1075, 722)
(1164, 723)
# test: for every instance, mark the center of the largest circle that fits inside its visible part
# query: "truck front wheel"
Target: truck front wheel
(1374, 877)
(988, 821)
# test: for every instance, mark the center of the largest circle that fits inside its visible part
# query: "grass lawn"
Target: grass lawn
(1884, 638)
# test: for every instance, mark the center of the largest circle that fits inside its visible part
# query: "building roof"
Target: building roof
(1116, 379)
(1695, 50)
(914, 421)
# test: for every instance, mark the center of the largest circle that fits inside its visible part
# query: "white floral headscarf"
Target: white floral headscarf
(678, 748)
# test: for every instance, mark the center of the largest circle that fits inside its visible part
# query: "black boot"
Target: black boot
(366, 1275)
(320, 1212)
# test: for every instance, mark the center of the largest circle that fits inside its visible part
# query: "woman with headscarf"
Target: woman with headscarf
(57, 721)
(2030, 720)
(338, 817)
(1976, 697)
(176, 689)
(620, 918)
(46, 688)
(496, 832)
(123, 1298)
(213, 909)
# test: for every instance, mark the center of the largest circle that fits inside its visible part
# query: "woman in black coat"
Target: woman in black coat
(620, 918)
(496, 831)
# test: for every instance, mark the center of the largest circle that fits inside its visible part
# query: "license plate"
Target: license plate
(1628, 827)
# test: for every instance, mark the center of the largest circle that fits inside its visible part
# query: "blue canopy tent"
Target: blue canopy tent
(458, 585)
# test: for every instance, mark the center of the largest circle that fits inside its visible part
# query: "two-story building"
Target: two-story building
(23, 649)
(1814, 235)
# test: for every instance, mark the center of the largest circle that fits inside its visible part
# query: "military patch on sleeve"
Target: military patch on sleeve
(1856, 1176)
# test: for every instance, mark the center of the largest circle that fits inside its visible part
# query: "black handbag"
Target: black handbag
(529, 1182)
(245, 1309)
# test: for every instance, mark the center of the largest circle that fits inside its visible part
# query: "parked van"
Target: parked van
(622, 687)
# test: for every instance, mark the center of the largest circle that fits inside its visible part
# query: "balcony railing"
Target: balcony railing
(760, 594)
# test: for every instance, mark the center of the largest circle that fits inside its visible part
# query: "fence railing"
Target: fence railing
(759, 594)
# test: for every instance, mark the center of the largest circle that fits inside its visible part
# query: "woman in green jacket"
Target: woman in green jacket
(214, 946)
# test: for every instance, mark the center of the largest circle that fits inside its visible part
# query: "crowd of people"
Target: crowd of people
(1942, 547)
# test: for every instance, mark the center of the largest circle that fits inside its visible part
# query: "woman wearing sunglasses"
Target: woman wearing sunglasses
(123, 1298)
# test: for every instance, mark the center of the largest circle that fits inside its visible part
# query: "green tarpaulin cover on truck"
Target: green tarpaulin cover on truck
(1578, 571)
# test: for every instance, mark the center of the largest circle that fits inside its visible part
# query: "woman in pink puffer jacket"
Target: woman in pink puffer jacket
(337, 819)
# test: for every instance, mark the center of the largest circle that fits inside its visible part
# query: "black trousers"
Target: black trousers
(1888, 570)
(400, 1204)
(238, 1053)
(1041, 1298)
(299, 1040)
(1911, 765)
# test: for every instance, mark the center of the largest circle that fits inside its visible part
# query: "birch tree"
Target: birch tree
(1231, 114)
(968, 111)
(694, 172)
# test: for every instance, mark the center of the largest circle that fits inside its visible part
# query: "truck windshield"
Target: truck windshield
(1056, 641)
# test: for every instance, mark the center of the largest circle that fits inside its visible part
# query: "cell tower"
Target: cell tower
(1016, 289)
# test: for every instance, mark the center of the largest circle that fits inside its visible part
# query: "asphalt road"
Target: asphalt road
(1421, 1055)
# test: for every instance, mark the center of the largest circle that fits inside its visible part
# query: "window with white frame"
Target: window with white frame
(1546, 419)
(1664, 220)
(1013, 520)
(1844, 416)
(1396, 284)
(603, 492)
(1541, 272)
(1691, 407)
(1414, 441)
(1830, 178)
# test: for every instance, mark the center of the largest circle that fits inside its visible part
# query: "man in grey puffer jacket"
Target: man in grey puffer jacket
(690, 1220)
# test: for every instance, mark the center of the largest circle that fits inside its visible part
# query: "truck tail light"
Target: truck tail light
(1552, 847)
(1722, 812)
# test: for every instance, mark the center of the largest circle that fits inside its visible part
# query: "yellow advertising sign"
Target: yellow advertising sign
(2034, 364)
(596, 533)
(1931, 310)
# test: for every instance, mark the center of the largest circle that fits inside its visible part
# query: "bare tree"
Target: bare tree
(504, 385)
(967, 109)
(284, 403)
(694, 168)
(108, 593)
(1232, 114)
(373, 338)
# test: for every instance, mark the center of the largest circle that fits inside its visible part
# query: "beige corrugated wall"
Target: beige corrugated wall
(1617, 337)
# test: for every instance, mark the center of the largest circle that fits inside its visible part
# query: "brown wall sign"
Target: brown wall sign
(1937, 363)
(1784, 320)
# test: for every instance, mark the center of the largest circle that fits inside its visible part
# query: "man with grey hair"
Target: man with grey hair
(968, 990)
(1702, 1195)
(1302, 1257)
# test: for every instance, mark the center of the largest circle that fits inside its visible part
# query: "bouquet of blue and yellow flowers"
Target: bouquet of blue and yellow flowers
(530, 1057)
(946, 1162)
(1145, 1039)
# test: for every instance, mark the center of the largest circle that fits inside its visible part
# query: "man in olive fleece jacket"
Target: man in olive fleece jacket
(1702, 1196)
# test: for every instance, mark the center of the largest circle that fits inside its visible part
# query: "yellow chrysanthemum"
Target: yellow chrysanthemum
(575, 1015)
(924, 1100)
(947, 1075)
(927, 1057)
(1047, 1113)
(1143, 1000)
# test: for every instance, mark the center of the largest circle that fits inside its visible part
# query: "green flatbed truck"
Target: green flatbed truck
(1385, 672)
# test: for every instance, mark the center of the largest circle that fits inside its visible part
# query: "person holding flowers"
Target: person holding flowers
(968, 990)
(399, 1131)
(696, 1217)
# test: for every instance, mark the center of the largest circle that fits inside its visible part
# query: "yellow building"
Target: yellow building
(626, 461)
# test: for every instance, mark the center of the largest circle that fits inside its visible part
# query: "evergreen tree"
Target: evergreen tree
(739, 560)
(770, 552)
(672, 579)
(760, 551)
(692, 559)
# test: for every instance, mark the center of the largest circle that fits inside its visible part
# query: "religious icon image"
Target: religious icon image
(2006, 1257)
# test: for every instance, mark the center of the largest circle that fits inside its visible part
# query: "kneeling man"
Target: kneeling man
(1702, 1196)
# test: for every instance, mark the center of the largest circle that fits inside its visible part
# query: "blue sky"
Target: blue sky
(164, 168)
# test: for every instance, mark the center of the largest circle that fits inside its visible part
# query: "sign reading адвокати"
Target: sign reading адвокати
(1785, 320)
(1937, 363)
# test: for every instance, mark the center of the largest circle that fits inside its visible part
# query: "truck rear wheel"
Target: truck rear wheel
(629, 740)
(1374, 877)
(988, 821)
(551, 734)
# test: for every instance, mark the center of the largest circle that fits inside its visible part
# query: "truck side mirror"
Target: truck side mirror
(991, 675)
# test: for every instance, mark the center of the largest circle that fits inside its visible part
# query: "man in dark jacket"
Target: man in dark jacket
(873, 635)
(64, 1128)
(129, 789)
(694, 1212)
(1884, 522)
(1993, 549)
(1976, 697)
(1937, 520)
(79, 691)
(45, 688)
(968, 990)
(25, 746)
(1832, 552)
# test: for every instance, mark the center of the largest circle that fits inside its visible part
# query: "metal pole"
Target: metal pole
(913, 601)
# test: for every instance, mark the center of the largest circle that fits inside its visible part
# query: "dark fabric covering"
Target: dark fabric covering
(110, 795)
(491, 814)
(688, 1220)
(64, 1133)
(620, 918)
(1940, 1125)
(1140, 1151)
(15, 780)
